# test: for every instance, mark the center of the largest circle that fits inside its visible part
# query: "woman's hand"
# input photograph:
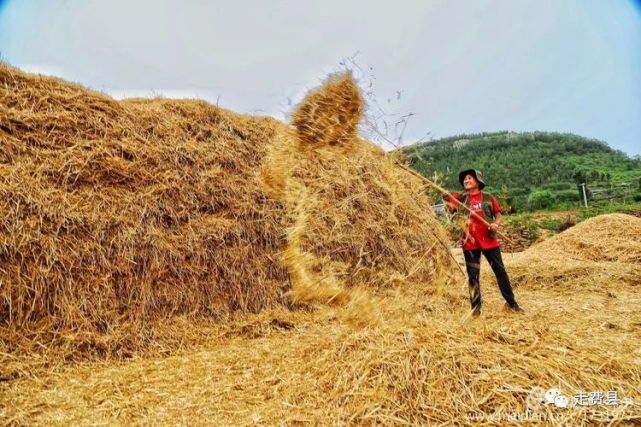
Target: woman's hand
(450, 202)
(494, 226)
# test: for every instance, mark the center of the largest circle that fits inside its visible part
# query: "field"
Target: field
(170, 262)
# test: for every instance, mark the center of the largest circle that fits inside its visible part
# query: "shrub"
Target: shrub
(540, 199)
(567, 196)
(523, 222)
(551, 224)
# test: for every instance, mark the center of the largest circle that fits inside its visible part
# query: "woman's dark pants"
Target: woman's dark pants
(473, 265)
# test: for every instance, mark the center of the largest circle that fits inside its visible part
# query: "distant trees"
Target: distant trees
(520, 159)
(579, 176)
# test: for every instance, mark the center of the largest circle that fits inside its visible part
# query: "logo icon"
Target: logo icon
(554, 397)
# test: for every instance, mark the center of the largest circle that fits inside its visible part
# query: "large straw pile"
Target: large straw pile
(601, 250)
(116, 214)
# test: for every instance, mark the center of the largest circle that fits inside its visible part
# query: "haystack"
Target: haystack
(601, 250)
(114, 214)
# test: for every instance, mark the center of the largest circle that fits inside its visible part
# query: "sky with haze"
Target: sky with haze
(459, 66)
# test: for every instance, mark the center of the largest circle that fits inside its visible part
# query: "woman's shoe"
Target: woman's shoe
(514, 308)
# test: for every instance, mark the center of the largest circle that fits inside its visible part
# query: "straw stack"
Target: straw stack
(116, 214)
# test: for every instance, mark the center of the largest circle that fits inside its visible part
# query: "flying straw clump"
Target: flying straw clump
(366, 221)
(330, 114)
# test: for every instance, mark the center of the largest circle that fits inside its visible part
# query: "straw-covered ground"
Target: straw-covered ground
(424, 363)
(169, 262)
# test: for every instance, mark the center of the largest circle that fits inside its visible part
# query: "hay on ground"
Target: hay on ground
(602, 250)
(421, 366)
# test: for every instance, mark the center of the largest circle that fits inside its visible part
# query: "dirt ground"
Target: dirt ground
(299, 368)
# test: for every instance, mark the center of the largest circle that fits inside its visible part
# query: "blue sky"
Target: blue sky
(460, 66)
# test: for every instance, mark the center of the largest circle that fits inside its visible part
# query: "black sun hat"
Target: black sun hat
(476, 174)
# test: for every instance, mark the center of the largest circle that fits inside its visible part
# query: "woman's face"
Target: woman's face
(470, 183)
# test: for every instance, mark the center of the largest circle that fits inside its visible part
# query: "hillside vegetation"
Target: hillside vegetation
(533, 169)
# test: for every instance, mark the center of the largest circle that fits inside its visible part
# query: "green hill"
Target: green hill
(532, 169)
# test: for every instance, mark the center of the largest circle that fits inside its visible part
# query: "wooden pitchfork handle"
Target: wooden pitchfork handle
(450, 197)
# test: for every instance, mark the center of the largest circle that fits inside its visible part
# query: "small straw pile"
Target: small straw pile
(601, 250)
(116, 215)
